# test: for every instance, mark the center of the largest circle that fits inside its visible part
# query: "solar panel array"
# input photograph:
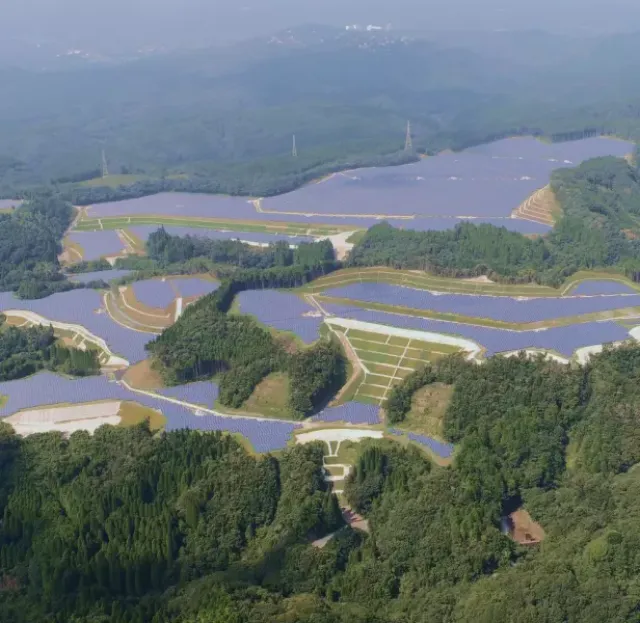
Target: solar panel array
(213, 206)
(441, 449)
(104, 275)
(490, 181)
(351, 413)
(46, 389)
(194, 286)
(97, 244)
(565, 340)
(282, 311)
(595, 287)
(154, 293)
(502, 308)
(144, 231)
(486, 182)
(200, 393)
(84, 307)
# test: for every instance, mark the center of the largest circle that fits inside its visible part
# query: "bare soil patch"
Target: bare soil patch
(132, 413)
(522, 529)
(143, 376)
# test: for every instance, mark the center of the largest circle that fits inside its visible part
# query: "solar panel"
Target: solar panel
(502, 308)
(97, 244)
(283, 311)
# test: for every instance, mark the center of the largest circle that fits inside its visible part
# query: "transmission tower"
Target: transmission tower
(294, 148)
(105, 167)
(408, 142)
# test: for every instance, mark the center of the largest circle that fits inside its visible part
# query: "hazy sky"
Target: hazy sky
(113, 24)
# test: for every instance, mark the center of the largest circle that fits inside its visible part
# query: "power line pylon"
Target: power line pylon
(294, 149)
(408, 141)
(105, 167)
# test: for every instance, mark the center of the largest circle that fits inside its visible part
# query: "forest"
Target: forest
(221, 120)
(166, 249)
(25, 351)
(125, 526)
(598, 228)
(208, 342)
(30, 244)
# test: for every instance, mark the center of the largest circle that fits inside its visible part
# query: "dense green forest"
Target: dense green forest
(127, 527)
(166, 249)
(206, 341)
(598, 228)
(222, 120)
(30, 244)
(25, 351)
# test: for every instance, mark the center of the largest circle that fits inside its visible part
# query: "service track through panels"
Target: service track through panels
(84, 307)
(144, 231)
(47, 389)
(485, 183)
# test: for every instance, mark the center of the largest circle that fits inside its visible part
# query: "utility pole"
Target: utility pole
(408, 141)
(294, 149)
(105, 168)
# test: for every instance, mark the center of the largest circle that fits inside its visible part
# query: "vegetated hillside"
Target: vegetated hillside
(184, 527)
(207, 341)
(225, 117)
(600, 203)
(29, 246)
(25, 351)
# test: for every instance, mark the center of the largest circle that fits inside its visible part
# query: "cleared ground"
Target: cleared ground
(143, 376)
(386, 360)
(66, 419)
(132, 413)
(541, 207)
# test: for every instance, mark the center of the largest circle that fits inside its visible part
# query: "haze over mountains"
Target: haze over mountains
(41, 29)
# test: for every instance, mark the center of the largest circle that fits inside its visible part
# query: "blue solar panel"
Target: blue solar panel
(350, 412)
(501, 308)
(201, 393)
(46, 389)
(144, 231)
(486, 182)
(565, 340)
(84, 307)
(97, 244)
(103, 275)
(590, 288)
(442, 449)
(194, 286)
(283, 311)
(154, 293)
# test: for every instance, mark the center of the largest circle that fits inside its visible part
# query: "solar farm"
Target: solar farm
(390, 322)
(153, 305)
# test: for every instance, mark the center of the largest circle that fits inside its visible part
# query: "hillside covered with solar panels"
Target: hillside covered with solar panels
(232, 310)
(268, 365)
